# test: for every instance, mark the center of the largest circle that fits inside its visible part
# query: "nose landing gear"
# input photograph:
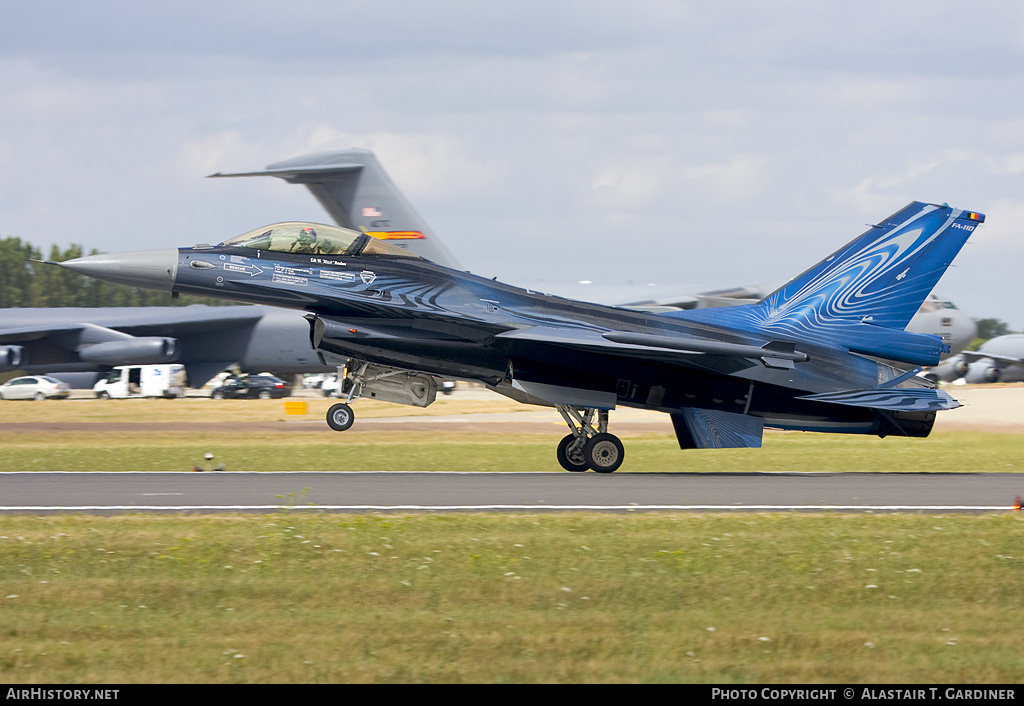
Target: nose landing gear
(340, 417)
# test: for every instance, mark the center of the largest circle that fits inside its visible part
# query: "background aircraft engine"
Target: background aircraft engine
(12, 357)
(135, 351)
(948, 371)
(982, 371)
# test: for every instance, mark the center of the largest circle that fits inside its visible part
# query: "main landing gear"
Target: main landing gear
(586, 447)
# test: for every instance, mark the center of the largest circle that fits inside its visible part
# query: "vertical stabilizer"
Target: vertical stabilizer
(882, 277)
(358, 194)
(863, 296)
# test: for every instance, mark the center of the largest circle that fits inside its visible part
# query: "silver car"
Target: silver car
(34, 387)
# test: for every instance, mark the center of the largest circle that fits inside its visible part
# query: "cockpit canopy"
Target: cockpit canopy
(315, 239)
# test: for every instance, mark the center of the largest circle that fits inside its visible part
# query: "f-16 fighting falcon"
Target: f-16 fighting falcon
(825, 352)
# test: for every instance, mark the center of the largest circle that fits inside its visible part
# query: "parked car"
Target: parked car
(34, 387)
(249, 386)
(142, 381)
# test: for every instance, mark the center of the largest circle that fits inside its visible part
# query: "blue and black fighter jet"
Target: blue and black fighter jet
(826, 352)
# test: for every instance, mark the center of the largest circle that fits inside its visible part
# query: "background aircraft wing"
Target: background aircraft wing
(971, 356)
(25, 334)
(205, 339)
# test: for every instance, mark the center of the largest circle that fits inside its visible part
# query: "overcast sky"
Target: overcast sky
(698, 143)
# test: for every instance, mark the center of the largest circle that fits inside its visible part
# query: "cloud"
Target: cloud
(1001, 233)
(548, 122)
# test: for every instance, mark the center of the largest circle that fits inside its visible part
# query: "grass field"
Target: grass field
(547, 598)
(298, 598)
(143, 439)
(426, 451)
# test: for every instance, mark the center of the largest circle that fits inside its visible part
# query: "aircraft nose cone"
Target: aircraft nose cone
(150, 269)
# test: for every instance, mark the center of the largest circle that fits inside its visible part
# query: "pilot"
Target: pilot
(306, 242)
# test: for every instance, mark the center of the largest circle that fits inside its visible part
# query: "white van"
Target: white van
(142, 381)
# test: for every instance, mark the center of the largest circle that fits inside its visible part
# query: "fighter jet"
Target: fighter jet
(826, 352)
(999, 359)
(354, 188)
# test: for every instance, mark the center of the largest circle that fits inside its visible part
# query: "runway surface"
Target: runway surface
(446, 492)
(993, 408)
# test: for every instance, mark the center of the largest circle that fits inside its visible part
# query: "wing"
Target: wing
(715, 356)
(205, 339)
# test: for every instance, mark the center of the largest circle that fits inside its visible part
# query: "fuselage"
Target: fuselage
(820, 353)
(408, 312)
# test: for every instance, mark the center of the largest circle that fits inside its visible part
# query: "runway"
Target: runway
(986, 409)
(519, 492)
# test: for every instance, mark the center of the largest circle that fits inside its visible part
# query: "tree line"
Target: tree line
(27, 284)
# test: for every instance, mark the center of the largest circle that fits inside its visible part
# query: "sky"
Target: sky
(698, 144)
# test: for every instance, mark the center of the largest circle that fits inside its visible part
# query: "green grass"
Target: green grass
(299, 598)
(520, 598)
(499, 450)
(147, 435)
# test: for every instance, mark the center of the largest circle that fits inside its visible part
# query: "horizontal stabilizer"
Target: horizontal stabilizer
(908, 400)
(294, 175)
(709, 429)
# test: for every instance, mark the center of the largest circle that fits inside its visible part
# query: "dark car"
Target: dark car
(250, 386)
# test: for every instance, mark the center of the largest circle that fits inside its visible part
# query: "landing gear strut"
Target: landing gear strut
(340, 416)
(379, 382)
(588, 447)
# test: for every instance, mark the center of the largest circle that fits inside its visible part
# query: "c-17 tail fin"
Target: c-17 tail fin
(358, 194)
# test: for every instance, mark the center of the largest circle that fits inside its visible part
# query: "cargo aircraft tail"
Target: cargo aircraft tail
(358, 194)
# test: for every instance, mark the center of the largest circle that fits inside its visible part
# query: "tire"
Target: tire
(217, 395)
(264, 394)
(340, 417)
(604, 453)
(103, 395)
(39, 397)
(571, 460)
